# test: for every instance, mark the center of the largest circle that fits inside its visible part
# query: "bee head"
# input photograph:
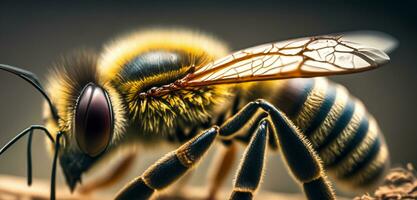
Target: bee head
(91, 114)
(92, 132)
(79, 119)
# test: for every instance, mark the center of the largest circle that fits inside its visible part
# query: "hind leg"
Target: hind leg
(299, 155)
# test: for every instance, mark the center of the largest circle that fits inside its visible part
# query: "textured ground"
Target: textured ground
(13, 188)
(400, 184)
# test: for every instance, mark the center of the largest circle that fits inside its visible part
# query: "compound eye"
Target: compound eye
(93, 120)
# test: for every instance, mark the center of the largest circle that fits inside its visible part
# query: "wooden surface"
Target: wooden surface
(399, 184)
(16, 188)
(13, 188)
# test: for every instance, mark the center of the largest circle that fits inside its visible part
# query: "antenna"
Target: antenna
(33, 80)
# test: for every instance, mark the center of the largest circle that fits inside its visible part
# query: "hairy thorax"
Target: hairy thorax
(158, 59)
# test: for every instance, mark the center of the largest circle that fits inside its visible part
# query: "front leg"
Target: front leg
(169, 168)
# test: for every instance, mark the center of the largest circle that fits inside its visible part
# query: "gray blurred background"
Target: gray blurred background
(33, 35)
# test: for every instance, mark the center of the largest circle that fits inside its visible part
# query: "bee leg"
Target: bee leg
(251, 167)
(169, 168)
(297, 151)
(299, 155)
(226, 158)
(178, 189)
(113, 176)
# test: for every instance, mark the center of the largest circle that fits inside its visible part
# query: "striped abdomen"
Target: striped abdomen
(346, 137)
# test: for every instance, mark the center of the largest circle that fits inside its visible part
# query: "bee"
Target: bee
(185, 88)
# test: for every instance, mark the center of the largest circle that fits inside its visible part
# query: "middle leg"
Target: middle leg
(251, 168)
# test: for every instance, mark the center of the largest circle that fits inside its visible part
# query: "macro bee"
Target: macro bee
(184, 87)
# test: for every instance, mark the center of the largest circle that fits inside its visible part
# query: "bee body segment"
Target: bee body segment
(346, 137)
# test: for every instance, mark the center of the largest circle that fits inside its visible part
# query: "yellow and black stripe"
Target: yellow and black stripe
(345, 136)
(140, 61)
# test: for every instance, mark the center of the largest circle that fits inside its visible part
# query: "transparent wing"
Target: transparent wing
(304, 57)
(376, 39)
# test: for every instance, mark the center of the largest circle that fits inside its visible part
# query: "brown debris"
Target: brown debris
(399, 184)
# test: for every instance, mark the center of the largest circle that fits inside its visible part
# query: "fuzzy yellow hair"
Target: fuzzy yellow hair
(123, 49)
(163, 114)
(65, 83)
